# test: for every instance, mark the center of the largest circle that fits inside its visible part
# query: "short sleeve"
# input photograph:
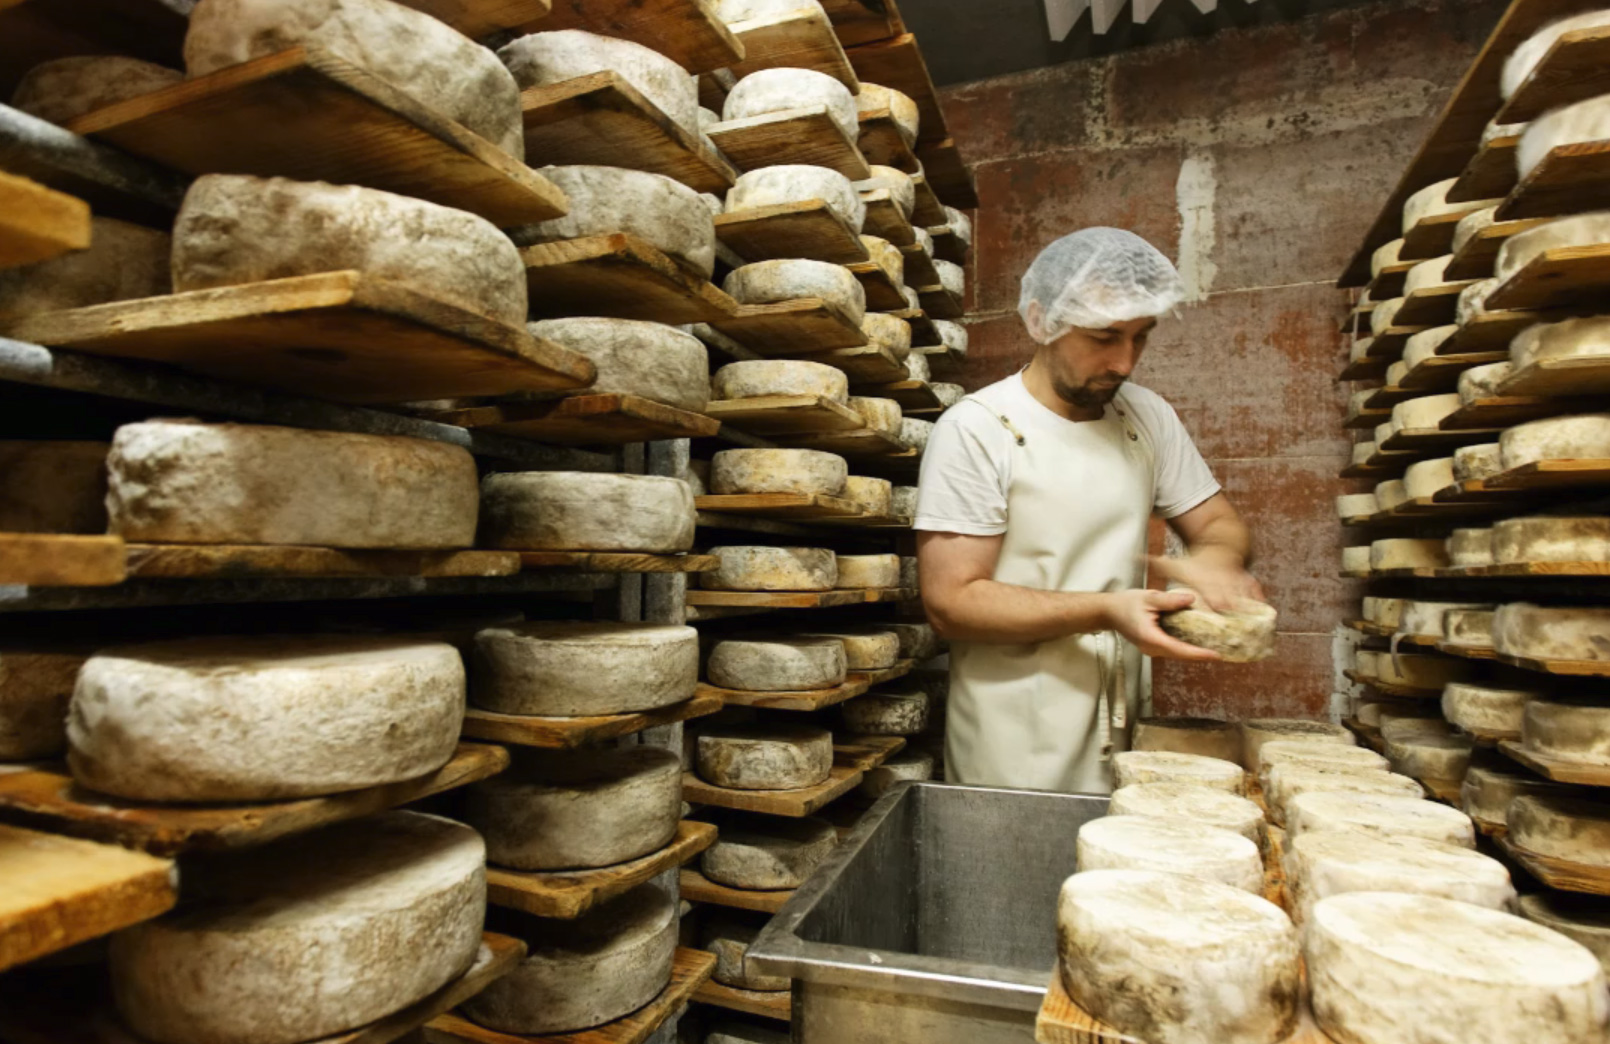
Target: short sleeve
(1183, 478)
(964, 475)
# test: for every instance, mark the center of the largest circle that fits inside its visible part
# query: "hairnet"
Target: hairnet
(1094, 278)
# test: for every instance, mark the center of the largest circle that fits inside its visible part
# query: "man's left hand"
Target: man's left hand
(1218, 575)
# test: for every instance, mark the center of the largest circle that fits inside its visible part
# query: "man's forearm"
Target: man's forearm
(990, 611)
(1229, 537)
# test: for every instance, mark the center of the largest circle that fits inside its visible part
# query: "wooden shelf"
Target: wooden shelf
(47, 796)
(1506, 411)
(1573, 70)
(1570, 180)
(949, 174)
(1369, 368)
(1391, 689)
(306, 114)
(61, 891)
(862, 443)
(336, 335)
(805, 135)
(1389, 283)
(601, 120)
(619, 276)
(1556, 278)
(858, 22)
(1557, 769)
(53, 560)
(765, 1004)
(1061, 1021)
(882, 291)
(898, 63)
(112, 182)
(549, 733)
(1527, 570)
(1433, 306)
(1432, 440)
(38, 223)
(1488, 333)
(868, 364)
(929, 211)
(914, 396)
(808, 325)
(1561, 377)
(685, 31)
(35, 31)
(808, 229)
(948, 246)
(1547, 475)
(1369, 419)
(855, 684)
(697, 888)
(785, 415)
(792, 506)
(583, 420)
(886, 220)
(798, 39)
(237, 561)
(920, 270)
(618, 561)
(883, 143)
(567, 894)
(865, 753)
(941, 303)
(795, 804)
(775, 599)
(1382, 401)
(1479, 256)
(690, 971)
(1490, 174)
(1562, 874)
(1570, 668)
(1469, 652)
(478, 18)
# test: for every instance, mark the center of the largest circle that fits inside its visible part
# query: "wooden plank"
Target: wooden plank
(1515, 570)
(805, 326)
(36, 31)
(886, 220)
(1432, 237)
(1389, 283)
(583, 420)
(1556, 278)
(929, 211)
(765, 1004)
(864, 21)
(1062, 1021)
(798, 39)
(601, 120)
(619, 276)
(306, 114)
(1479, 256)
(950, 176)
(897, 62)
(1488, 332)
(1561, 377)
(792, 803)
(1506, 411)
(61, 891)
(941, 303)
(865, 753)
(56, 560)
(948, 246)
(567, 894)
(48, 797)
(892, 594)
(882, 291)
(547, 733)
(1575, 69)
(920, 270)
(1440, 373)
(1569, 180)
(1557, 873)
(697, 888)
(1490, 174)
(1559, 770)
(795, 506)
(910, 394)
(1552, 475)
(785, 414)
(38, 223)
(1392, 688)
(863, 443)
(1432, 306)
(686, 31)
(813, 700)
(808, 229)
(336, 335)
(776, 599)
(690, 970)
(1570, 668)
(618, 561)
(235, 561)
(478, 18)
(883, 142)
(805, 136)
(868, 364)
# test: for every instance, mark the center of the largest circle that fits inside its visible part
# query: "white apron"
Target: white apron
(1048, 716)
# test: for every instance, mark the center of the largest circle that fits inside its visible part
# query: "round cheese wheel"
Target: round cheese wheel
(1470, 547)
(263, 718)
(1471, 225)
(1189, 801)
(649, 360)
(1384, 815)
(1556, 438)
(1425, 412)
(574, 668)
(1338, 862)
(66, 88)
(948, 394)
(875, 496)
(1470, 627)
(887, 713)
(886, 256)
(1577, 230)
(1290, 781)
(779, 90)
(797, 183)
(1374, 958)
(1567, 828)
(1384, 255)
(1524, 59)
(586, 511)
(878, 414)
(1481, 461)
(951, 276)
(547, 58)
(578, 809)
(917, 640)
(1356, 505)
(1168, 845)
(960, 225)
(1551, 539)
(1258, 731)
(917, 367)
(760, 568)
(1427, 619)
(1408, 553)
(1545, 633)
(777, 664)
(888, 331)
(1436, 757)
(1158, 766)
(1574, 732)
(1583, 919)
(1383, 432)
(389, 906)
(1318, 754)
(914, 432)
(808, 472)
(729, 938)
(578, 974)
(36, 686)
(1432, 201)
(905, 501)
(1423, 346)
(901, 189)
(873, 572)
(765, 757)
(1206, 737)
(901, 107)
(53, 487)
(1243, 634)
(1391, 494)
(767, 853)
(666, 214)
(1486, 793)
(1572, 339)
(122, 262)
(1486, 711)
(871, 650)
(1416, 671)
(1483, 382)
(952, 335)
(1384, 314)
(769, 282)
(910, 577)
(1427, 477)
(1586, 121)
(915, 766)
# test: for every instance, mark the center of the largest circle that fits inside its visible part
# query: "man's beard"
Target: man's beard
(1092, 395)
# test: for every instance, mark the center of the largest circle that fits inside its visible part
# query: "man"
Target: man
(1034, 503)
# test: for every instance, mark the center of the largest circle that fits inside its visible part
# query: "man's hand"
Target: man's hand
(1134, 614)
(1216, 574)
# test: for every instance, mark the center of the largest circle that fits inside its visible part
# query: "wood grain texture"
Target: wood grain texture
(805, 135)
(777, 599)
(619, 276)
(1571, 668)
(1561, 377)
(1432, 237)
(1506, 411)
(795, 804)
(949, 174)
(920, 270)
(941, 303)
(785, 414)
(584, 420)
(35, 31)
(1431, 306)
(881, 289)
(886, 220)
(855, 684)
(766, 1004)
(1479, 256)
(686, 31)
(862, 443)
(231, 561)
(552, 733)
(910, 394)
(1560, 770)
(1490, 174)
(566, 895)
(1571, 179)
(883, 143)
(38, 223)
(1556, 278)
(867, 364)
(807, 229)
(797, 327)
(697, 888)
(52, 560)
(1563, 874)
(798, 506)
(798, 39)
(865, 753)
(1575, 69)
(864, 21)
(478, 18)
(618, 562)
(897, 62)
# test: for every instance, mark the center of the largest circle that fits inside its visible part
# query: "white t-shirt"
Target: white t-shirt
(967, 466)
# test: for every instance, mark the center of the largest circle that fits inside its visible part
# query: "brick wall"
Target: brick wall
(1257, 158)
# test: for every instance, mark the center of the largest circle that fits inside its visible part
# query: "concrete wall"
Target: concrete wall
(1257, 158)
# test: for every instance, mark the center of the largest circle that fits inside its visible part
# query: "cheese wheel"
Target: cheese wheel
(1391, 494)
(1384, 314)
(1388, 612)
(253, 719)
(1384, 255)
(917, 367)
(1483, 382)
(1586, 121)
(1551, 539)
(1188, 801)
(1427, 275)
(1432, 201)
(427, 60)
(797, 183)
(782, 89)
(1484, 710)
(917, 640)
(765, 757)
(767, 853)
(1383, 432)
(1159, 766)
(948, 394)
(1486, 793)
(1357, 505)
(1529, 55)
(1544, 633)
(1556, 438)
(1258, 731)
(66, 88)
(1583, 919)
(1205, 737)
(729, 938)
(905, 501)
(1578, 230)
(53, 487)
(1470, 547)
(1423, 346)
(666, 214)
(1289, 781)
(1427, 619)
(902, 109)
(887, 713)
(1408, 553)
(772, 569)
(770, 282)
(1471, 225)
(649, 360)
(1243, 634)
(886, 256)
(888, 331)
(877, 414)
(1428, 756)
(871, 650)
(1428, 477)
(952, 335)
(1469, 627)
(1360, 348)
(36, 686)
(1417, 671)
(914, 766)
(1338, 862)
(389, 906)
(1571, 732)
(874, 572)
(1317, 754)
(959, 224)
(1394, 377)
(728, 1031)
(808, 472)
(577, 974)
(910, 577)
(1425, 412)
(1473, 301)
(572, 668)
(1568, 828)
(951, 276)
(777, 664)
(578, 809)
(875, 496)
(1383, 815)
(541, 59)
(1365, 661)
(914, 433)
(122, 262)
(586, 511)
(902, 190)
(1481, 461)
(1168, 845)
(1571, 339)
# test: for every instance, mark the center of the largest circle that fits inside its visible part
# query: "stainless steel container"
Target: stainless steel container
(935, 920)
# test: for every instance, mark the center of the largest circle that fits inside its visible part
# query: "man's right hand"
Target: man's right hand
(1134, 614)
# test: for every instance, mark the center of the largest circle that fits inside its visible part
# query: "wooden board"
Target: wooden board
(792, 803)
(1061, 1021)
(1434, 440)
(1559, 770)
(685, 31)
(1479, 256)
(1393, 689)
(1490, 174)
(776, 599)
(883, 142)
(697, 888)
(808, 229)
(234, 561)
(1469, 652)
(868, 364)
(35, 31)
(865, 753)
(1528, 569)
(765, 1004)
(920, 270)
(549, 733)
(910, 394)
(1488, 332)
(929, 211)
(478, 18)
(897, 62)
(53, 560)
(862, 443)
(1440, 373)
(1573, 668)
(941, 303)
(808, 325)
(799, 39)
(948, 246)
(1389, 282)
(618, 276)
(48, 797)
(38, 223)
(863, 21)
(337, 335)
(566, 895)
(584, 420)
(1556, 278)
(795, 506)
(306, 114)
(601, 120)
(1505, 411)
(1571, 179)
(61, 891)
(882, 291)
(785, 414)
(1561, 377)
(1565, 875)
(618, 561)
(1576, 68)
(949, 174)
(804, 136)
(1432, 306)
(1551, 475)
(1432, 237)
(811, 700)
(886, 220)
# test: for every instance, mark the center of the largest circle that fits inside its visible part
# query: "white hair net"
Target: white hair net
(1094, 278)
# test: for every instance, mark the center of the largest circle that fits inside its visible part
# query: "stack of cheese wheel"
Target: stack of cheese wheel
(764, 756)
(767, 853)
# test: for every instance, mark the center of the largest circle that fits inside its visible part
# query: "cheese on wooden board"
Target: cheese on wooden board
(1427, 619)
(771, 282)
(1384, 314)
(767, 853)
(1572, 339)
(1427, 477)
(960, 225)
(1337, 862)
(886, 256)
(1384, 255)
(1552, 633)
(1472, 224)
(1255, 732)
(1191, 802)
(797, 183)
(1578, 733)
(905, 501)
(912, 298)
(902, 191)
(1471, 463)
(1360, 348)
(1525, 59)
(1178, 960)
(887, 331)
(887, 713)
(666, 214)
(1473, 301)
(1546, 538)
(877, 414)
(1468, 627)
(1168, 845)
(578, 809)
(1556, 438)
(1408, 553)
(798, 664)
(1432, 201)
(1357, 505)
(951, 276)
(389, 907)
(874, 572)
(578, 974)
(917, 367)
(870, 650)
(1365, 660)
(1421, 347)
(36, 686)
(66, 88)
(902, 108)
(875, 496)
(948, 394)
(1391, 494)
(1423, 671)
(762, 568)
(53, 487)
(1577, 230)
(1586, 121)
(1384, 815)
(1243, 634)
(1483, 382)
(578, 668)
(952, 335)
(729, 937)
(1356, 401)
(765, 757)
(907, 765)
(123, 262)
(650, 360)
(1394, 377)
(1290, 781)
(1205, 737)
(426, 59)
(1383, 432)
(1422, 413)
(1387, 967)
(1573, 829)
(1429, 756)
(1161, 766)
(263, 718)
(1485, 710)
(917, 640)
(1427, 274)
(914, 433)
(1470, 547)
(809, 472)
(1486, 793)
(1583, 919)
(586, 511)
(1318, 754)
(782, 89)
(541, 59)
(910, 576)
